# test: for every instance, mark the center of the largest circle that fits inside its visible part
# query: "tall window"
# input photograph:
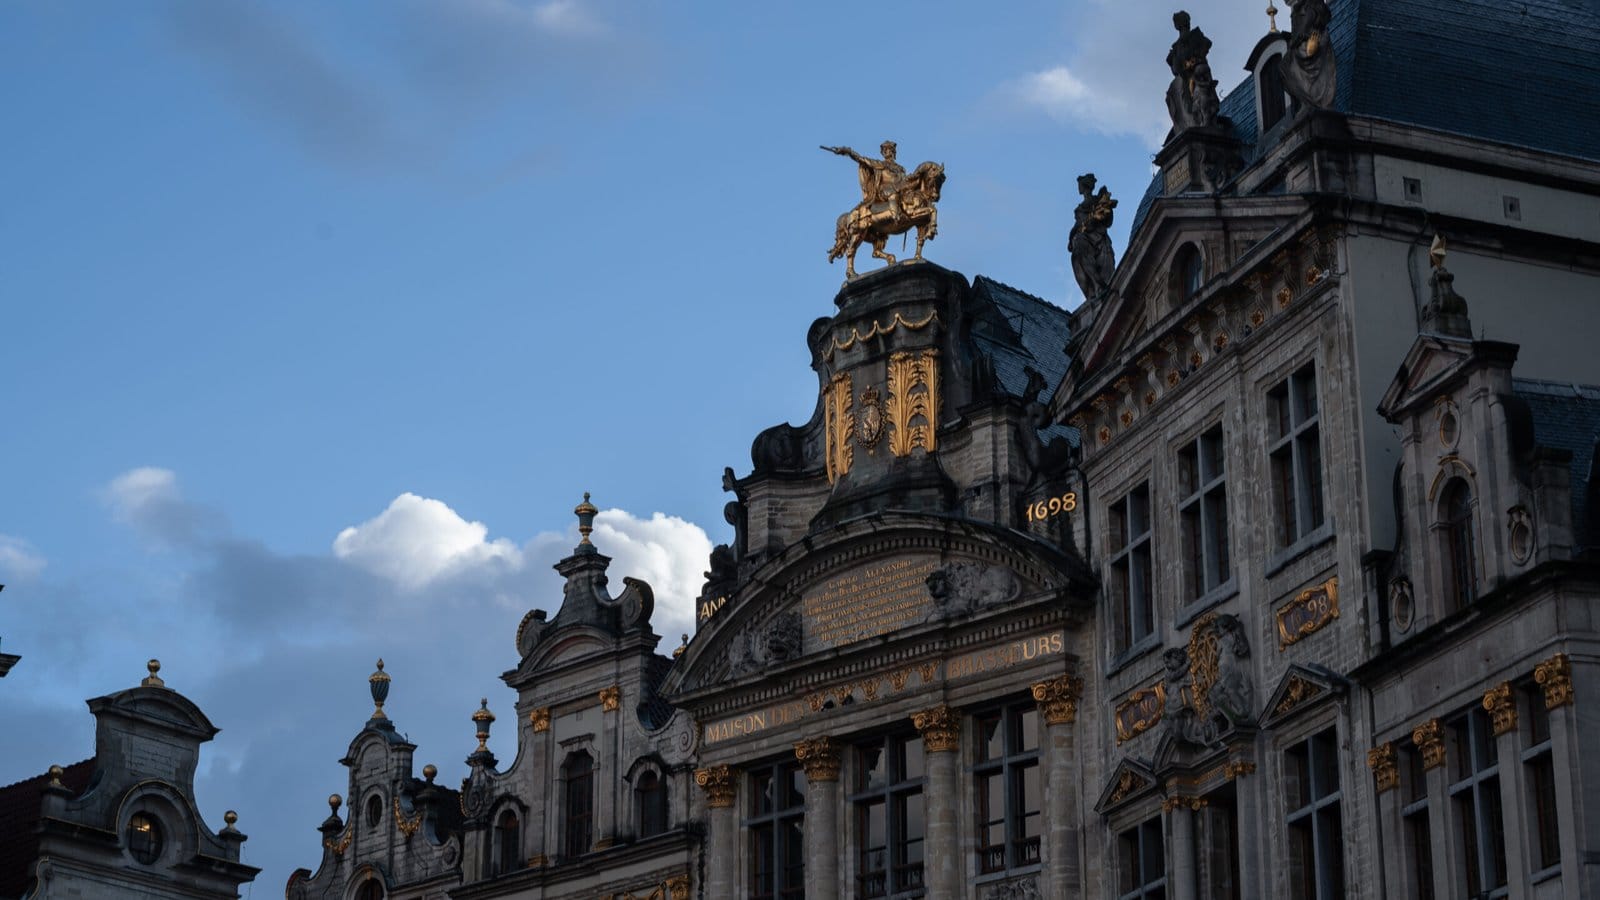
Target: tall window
(1475, 800)
(507, 843)
(651, 795)
(1274, 99)
(1130, 567)
(1460, 557)
(1316, 855)
(1009, 790)
(1296, 453)
(370, 890)
(777, 833)
(144, 838)
(1142, 869)
(577, 828)
(1203, 512)
(1539, 762)
(1418, 836)
(1188, 272)
(890, 825)
(1218, 845)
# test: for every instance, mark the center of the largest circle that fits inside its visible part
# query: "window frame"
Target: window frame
(1457, 532)
(576, 787)
(146, 845)
(1296, 437)
(1326, 875)
(1020, 852)
(893, 794)
(1416, 822)
(1477, 787)
(652, 806)
(506, 852)
(1139, 885)
(1211, 551)
(1538, 753)
(788, 883)
(1131, 560)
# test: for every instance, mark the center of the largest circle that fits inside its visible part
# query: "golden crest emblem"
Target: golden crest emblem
(869, 418)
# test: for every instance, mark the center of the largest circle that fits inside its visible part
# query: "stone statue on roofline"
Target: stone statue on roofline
(1308, 69)
(1093, 262)
(1192, 97)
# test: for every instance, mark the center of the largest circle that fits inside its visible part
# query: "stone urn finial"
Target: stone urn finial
(378, 682)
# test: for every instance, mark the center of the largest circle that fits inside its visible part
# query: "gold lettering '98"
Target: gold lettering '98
(1055, 506)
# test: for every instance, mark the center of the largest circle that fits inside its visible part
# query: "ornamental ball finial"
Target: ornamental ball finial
(153, 680)
(333, 803)
(230, 817)
(55, 775)
(429, 772)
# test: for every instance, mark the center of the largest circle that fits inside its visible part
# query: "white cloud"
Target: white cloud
(18, 560)
(133, 492)
(418, 539)
(1114, 82)
(669, 553)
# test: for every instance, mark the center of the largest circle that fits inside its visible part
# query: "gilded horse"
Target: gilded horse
(874, 223)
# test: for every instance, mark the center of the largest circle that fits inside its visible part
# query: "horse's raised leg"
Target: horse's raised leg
(877, 249)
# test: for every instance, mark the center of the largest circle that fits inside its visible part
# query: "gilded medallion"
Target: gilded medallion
(869, 418)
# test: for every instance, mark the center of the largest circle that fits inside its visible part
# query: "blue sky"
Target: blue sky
(320, 318)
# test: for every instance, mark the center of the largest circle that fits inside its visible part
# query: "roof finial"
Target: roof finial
(1272, 17)
(586, 512)
(334, 800)
(154, 680)
(1437, 251)
(378, 682)
(483, 719)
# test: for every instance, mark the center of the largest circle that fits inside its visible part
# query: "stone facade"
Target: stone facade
(122, 824)
(1264, 573)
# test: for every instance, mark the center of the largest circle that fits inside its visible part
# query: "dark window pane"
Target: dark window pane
(874, 767)
(1027, 737)
(991, 740)
(1547, 833)
(912, 766)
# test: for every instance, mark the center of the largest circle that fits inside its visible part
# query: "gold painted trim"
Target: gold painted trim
(1320, 602)
(1128, 730)
(898, 321)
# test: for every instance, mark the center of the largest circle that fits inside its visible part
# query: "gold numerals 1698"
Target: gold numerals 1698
(1055, 506)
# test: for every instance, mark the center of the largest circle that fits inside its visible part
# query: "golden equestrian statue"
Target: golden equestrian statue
(892, 202)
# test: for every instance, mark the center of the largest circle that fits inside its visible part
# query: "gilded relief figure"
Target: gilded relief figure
(1192, 97)
(1089, 244)
(892, 202)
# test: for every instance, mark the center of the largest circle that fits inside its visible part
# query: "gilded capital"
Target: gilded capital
(1385, 771)
(940, 728)
(1501, 706)
(1429, 738)
(720, 784)
(540, 719)
(1058, 699)
(610, 698)
(1555, 676)
(678, 887)
(820, 758)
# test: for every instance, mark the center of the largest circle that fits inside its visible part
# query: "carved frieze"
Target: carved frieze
(1308, 612)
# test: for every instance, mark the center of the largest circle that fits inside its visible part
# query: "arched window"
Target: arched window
(370, 890)
(651, 795)
(144, 838)
(577, 825)
(1460, 551)
(374, 811)
(507, 843)
(1188, 273)
(1274, 99)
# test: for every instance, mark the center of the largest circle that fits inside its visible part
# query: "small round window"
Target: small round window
(144, 838)
(374, 811)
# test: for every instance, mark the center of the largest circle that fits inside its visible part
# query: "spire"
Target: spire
(1272, 17)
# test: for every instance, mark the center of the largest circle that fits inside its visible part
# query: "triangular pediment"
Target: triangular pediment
(1301, 689)
(1430, 366)
(1129, 781)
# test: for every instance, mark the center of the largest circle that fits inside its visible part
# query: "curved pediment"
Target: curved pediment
(158, 705)
(868, 580)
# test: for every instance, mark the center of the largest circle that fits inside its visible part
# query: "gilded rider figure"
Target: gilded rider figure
(1093, 262)
(1192, 97)
(880, 178)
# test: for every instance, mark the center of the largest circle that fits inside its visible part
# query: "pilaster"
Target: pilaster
(819, 756)
(941, 744)
(721, 787)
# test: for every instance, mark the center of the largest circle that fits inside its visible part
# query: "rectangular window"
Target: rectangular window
(1203, 515)
(1418, 836)
(1538, 761)
(1009, 788)
(890, 824)
(1217, 829)
(1316, 841)
(777, 833)
(1131, 567)
(1296, 456)
(1142, 872)
(1475, 803)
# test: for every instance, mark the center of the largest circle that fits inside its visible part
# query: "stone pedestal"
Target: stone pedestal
(941, 744)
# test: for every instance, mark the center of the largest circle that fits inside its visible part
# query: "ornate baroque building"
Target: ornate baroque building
(1266, 572)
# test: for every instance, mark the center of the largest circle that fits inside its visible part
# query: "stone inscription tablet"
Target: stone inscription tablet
(866, 602)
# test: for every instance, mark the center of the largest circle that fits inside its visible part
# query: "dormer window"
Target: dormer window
(1274, 99)
(1460, 550)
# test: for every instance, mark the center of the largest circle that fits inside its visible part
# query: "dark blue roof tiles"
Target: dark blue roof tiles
(1567, 417)
(1034, 332)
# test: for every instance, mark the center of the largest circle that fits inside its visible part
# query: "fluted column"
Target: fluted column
(720, 784)
(1058, 705)
(941, 744)
(820, 758)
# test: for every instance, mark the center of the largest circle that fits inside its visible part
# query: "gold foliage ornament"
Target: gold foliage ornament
(838, 426)
(913, 401)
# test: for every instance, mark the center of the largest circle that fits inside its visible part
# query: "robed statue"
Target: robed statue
(1308, 71)
(1192, 97)
(1093, 262)
(892, 202)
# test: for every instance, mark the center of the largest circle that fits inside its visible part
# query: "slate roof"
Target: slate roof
(653, 711)
(19, 823)
(1034, 334)
(1567, 417)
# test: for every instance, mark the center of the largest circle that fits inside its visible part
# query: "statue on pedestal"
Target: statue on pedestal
(1093, 262)
(892, 202)
(1308, 70)
(1192, 97)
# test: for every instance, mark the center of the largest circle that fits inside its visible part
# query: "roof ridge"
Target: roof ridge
(1022, 293)
(46, 774)
(1570, 390)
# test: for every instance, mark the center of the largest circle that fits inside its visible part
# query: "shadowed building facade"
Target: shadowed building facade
(1265, 572)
